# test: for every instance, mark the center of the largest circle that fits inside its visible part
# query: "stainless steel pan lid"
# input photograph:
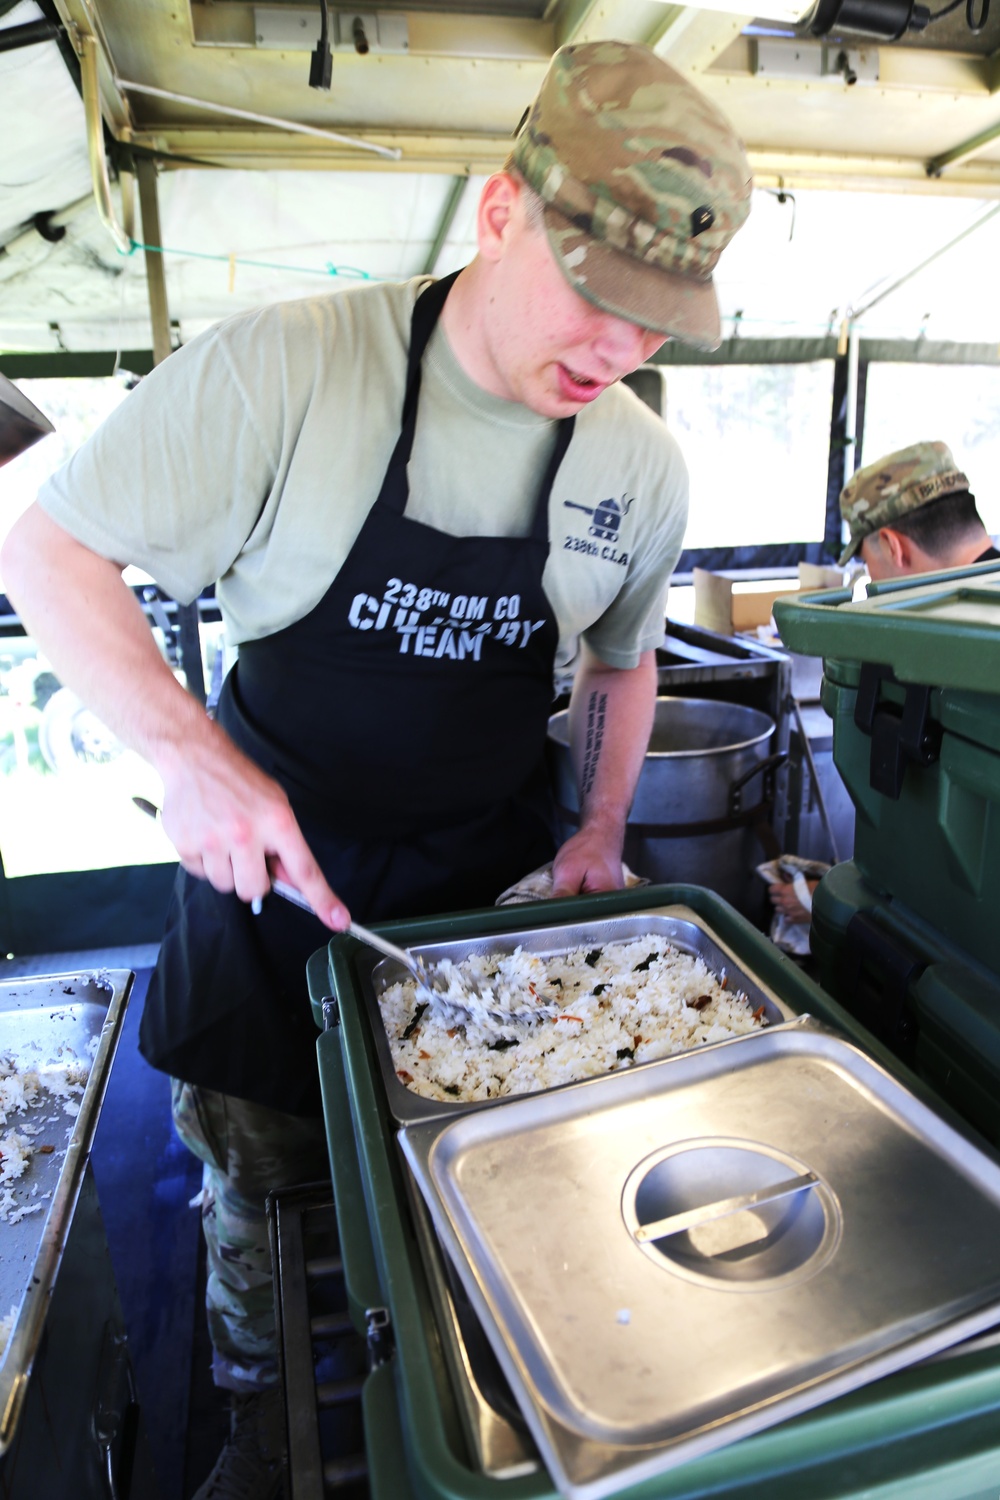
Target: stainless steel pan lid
(669, 1259)
(21, 423)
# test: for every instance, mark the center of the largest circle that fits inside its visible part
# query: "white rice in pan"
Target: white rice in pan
(620, 1004)
(37, 1088)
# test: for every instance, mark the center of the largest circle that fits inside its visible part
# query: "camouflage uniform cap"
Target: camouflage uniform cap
(644, 183)
(896, 486)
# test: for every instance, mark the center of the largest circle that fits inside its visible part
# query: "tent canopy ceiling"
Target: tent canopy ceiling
(250, 211)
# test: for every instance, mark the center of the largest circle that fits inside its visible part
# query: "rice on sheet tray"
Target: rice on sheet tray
(36, 1083)
(621, 1003)
(40, 1086)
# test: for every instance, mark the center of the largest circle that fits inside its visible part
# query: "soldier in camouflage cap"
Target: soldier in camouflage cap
(644, 182)
(911, 512)
(498, 505)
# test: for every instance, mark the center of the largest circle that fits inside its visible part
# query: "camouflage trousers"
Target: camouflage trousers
(247, 1152)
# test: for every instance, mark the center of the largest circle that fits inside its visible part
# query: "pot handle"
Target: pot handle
(766, 768)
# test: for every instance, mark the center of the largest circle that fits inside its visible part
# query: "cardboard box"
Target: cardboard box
(726, 603)
(813, 576)
(729, 603)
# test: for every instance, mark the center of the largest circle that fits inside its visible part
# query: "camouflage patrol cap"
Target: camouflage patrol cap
(898, 484)
(644, 181)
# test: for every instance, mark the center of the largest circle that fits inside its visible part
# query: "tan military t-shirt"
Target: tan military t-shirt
(251, 457)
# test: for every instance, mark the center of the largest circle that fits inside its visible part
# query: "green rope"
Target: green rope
(353, 273)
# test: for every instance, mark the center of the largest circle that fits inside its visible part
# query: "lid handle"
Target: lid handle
(693, 1218)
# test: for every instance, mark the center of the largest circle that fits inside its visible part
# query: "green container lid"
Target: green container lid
(939, 628)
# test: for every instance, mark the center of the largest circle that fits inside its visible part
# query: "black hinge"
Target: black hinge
(898, 735)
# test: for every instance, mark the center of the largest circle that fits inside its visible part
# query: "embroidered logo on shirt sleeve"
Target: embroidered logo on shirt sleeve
(607, 517)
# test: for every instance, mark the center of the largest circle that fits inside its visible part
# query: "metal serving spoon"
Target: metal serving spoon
(432, 984)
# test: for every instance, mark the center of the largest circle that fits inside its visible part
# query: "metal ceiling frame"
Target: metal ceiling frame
(703, 43)
(121, 233)
(910, 70)
(695, 40)
(963, 153)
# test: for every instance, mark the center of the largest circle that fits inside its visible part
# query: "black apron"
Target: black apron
(405, 716)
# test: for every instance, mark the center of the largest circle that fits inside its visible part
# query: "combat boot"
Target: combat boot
(251, 1465)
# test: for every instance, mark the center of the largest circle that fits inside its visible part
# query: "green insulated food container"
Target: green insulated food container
(912, 684)
(933, 1005)
(928, 1430)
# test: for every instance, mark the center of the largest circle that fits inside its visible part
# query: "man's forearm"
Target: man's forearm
(229, 822)
(610, 722)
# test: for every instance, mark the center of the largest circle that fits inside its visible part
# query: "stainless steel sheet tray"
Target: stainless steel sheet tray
(82, 1013)
(674, 1257)
(679, 925)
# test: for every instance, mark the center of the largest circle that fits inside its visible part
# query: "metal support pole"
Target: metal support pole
(964, 152)
(390, 153)
(991, 214)
(126, 188)
(455, 194)
(851, 402)
(817, 788)
(188, 633)
(156, 280)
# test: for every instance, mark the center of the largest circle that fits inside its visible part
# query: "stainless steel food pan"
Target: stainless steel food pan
(673, 1257)
(678, 925)
(37, 1017)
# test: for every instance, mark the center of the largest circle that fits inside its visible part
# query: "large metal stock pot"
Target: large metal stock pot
(704, 791)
